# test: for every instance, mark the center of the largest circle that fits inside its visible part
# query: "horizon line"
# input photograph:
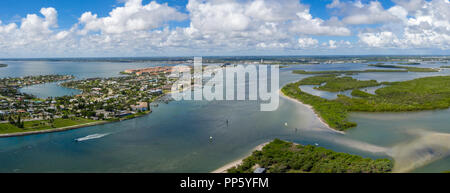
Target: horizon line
(212, 56)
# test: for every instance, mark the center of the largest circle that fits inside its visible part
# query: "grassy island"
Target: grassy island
(379, 65)
(285, 157)
(337, 84)
(344, 71)
(408, 68)
(3, 65)
(420, 94)
(409, 63)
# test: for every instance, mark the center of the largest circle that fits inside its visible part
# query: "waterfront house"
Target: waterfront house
(105, 113)
(124, 113)
(155, 92)
(141, 106)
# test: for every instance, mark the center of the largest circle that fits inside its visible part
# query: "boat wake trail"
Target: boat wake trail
(90, 137)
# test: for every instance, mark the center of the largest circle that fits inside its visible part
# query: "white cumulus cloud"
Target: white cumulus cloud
(426, 27)
(230, 26)
(356, 12)
(133, 16)
(307, 42)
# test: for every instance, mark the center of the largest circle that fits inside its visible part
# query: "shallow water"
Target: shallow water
(324, 94)
(175, 137)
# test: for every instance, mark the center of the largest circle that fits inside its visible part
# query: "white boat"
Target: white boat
(89, 137)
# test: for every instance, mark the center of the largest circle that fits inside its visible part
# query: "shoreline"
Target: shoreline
(53, 130)
(239, 161)
(61, 129)
(6, 135)
(312, 109)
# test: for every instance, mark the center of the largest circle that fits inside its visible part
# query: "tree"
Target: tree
(11, 120)
(18, 121)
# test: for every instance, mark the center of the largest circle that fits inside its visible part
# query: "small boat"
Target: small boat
(89, 137)
(285, 124)
(316, 144)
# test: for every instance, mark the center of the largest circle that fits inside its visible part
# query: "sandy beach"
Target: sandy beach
(312, 109)
(238, 162)
(224, 168)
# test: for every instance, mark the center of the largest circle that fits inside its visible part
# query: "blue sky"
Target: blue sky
(55, 28)
(70, 11)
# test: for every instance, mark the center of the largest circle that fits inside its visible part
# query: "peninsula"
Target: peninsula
(102, 100)
(420, 94)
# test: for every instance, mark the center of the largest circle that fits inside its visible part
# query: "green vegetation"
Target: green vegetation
(380, 65)
(285, 157)
(338, 84)
(359, 93)
(3, 65)
(332, 112)
(409, 63)
(420, 94)
(408, 68)
(18, 123)
(7, 128)
(343, 71)
(108, 99)
(445, 66)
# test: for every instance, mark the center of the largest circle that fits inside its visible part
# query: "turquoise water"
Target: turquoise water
(175, 137)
